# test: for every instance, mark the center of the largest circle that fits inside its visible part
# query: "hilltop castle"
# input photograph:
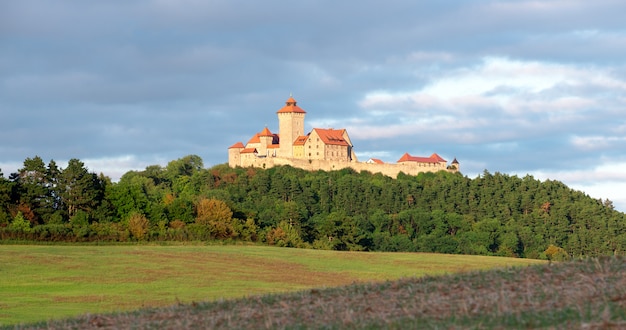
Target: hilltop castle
(321, 149)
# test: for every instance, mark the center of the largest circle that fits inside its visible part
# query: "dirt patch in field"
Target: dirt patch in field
(80, 299)
(210, 267)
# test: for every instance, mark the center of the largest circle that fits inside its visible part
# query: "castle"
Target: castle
(321, 149)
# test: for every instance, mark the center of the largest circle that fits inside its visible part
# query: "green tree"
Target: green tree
(79, 189)
(185, 166)
(6, 188)
(33, 189)
(19, 224)
(131, 194)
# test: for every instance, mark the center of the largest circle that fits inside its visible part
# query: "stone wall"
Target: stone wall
(391, 170)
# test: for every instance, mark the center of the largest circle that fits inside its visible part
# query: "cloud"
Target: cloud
(499, 94)
(516, 87)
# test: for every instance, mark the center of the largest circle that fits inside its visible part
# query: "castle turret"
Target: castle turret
(234, 154)
(290, 126)
(455, 166)
(266, 138)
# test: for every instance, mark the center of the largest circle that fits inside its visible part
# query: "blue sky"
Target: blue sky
(517, 87)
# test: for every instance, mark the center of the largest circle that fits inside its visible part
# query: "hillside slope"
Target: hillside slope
(580, 294)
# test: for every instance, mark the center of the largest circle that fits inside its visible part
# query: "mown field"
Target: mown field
(43, 282)
(583, 294)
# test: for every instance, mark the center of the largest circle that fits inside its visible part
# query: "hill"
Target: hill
(492, 214)
(581, 294)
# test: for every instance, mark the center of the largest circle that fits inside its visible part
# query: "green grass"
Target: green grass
(588, 294)
(42, 282)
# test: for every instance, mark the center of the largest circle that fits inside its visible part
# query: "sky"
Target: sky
(516, 87)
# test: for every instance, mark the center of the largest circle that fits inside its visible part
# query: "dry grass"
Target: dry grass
(587, 294)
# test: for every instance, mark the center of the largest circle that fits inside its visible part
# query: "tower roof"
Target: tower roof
(266, 132)
(291, 107)
(237, 145)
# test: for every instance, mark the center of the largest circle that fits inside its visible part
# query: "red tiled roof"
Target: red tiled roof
(273, 146)
(437, 157)
(255, 139)
(248, 151)
(434, 158)
(237, 146)
(377, 161)
(300, 140)
(291, 106)
(266, 132)
(332, 136)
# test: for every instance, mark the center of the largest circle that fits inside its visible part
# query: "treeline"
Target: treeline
(493, 214)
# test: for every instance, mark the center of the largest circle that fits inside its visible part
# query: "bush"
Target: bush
(138, 225)
(19, 224)
(53, 232)
(555, 253)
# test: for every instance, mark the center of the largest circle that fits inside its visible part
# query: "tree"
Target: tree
(185, 166)
(6, 188)
(53, 173)
(138, 225)
(131, 194)
(555, 253)
(19, 224)
(79, 189)
(285, 235)
(33, 188)
(215, 214)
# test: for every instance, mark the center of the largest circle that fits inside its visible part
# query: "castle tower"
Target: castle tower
(457, 166)
(266, 138)
(290, 126)
(234, 154)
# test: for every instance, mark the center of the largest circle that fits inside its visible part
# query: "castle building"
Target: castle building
(320, 149)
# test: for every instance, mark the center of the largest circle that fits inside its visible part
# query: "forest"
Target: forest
(492, 214)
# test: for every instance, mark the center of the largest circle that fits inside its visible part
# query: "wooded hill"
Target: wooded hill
(492, 214)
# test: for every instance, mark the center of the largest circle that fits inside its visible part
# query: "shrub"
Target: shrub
(217, 216)
(138, 225)
(20, 224)
(555, 253)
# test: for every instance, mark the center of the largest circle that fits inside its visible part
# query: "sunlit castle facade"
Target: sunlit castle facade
(320, 149)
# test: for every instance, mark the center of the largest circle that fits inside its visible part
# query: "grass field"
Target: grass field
(583, 294)
(41, 282)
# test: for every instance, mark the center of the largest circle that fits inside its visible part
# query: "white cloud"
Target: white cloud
(607, 171)
(512, 95)
(613, 191)
(9, 167)
(597, 142)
